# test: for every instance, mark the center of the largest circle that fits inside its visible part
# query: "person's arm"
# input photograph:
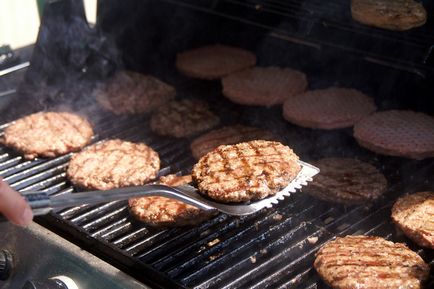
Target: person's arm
(13, 206)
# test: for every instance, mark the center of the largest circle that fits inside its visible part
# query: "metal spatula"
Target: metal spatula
(42, 203)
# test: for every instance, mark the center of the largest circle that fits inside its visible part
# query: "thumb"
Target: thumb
(13, 206)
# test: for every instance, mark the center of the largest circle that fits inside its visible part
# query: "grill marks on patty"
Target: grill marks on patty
(48, 134)
(183, 118)
(225, 136)
(246, 171)
(130, 93)
(414, 215)
(161, 211)
(370, 262)
(347, 181)
(113, 164)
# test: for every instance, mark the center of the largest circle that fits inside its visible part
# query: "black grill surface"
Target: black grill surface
(272, 249)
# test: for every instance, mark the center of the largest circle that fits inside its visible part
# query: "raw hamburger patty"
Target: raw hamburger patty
(414, 215)
(131, 93)
(389, 14)
(48, 134)
(397, 133)
(369, 262)
(214, 61)
(225, 136)
(246, 171)
(346, 181)
(329, 108)
(266, 86)
(161, 211)
(113, 164)
(183, 118)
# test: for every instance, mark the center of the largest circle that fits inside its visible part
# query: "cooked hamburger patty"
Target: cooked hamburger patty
(245, 171)
(48, 134)
(397, 133)
(389, 14)
(161, 211)
(265, 86)
(414, 215)
(329, 108)
(225, 136)
(214, 61)
(113, 164)
(131, 93)
(347, 181)
(183, 118)
(368, 262)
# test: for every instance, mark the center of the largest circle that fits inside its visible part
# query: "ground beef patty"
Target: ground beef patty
(48, 134)
(225, 136)
(214, 61)
(346, 181)
(389, 14)
(113, 164)
(130, 93)
(414, 215)
(161, 211)
(183, 118)
(246, 171)
(397, 133)
(264, 86)
(354, 262)
(329, 108)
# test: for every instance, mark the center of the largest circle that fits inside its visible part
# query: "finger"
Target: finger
(13, 206)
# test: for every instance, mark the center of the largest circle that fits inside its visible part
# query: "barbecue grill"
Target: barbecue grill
(271, 249)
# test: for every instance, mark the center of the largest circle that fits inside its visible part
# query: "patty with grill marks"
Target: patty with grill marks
(347, 181)
(113, 164)
(183, 118)
(389, 14)
(414, 215)
(369, 262)
(132, 93)
(246, 171)
(225, 136)
(48, 134)
(161, 211)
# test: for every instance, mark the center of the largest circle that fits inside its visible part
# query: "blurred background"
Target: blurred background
(19, 20)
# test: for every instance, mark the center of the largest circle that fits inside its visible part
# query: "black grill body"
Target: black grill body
(274, 248)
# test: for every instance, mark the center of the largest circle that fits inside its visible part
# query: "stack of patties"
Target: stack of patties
(246, 171)
(132, 93)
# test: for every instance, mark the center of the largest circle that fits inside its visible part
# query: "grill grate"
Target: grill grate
(329, 24)
(273, 248)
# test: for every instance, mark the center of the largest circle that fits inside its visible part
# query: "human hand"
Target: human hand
(13, 206)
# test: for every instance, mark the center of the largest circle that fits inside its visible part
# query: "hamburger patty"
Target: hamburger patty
(214, 61)
(397, 133)
(161, 211)
(131, 92)
(48, 134)
(329, 108)
(414, 215)
(347, 181)
(183, 118)
(246, 171)
(225, 136)
(389, 14)
(265, 86)
(113, 164)
(369, 262)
